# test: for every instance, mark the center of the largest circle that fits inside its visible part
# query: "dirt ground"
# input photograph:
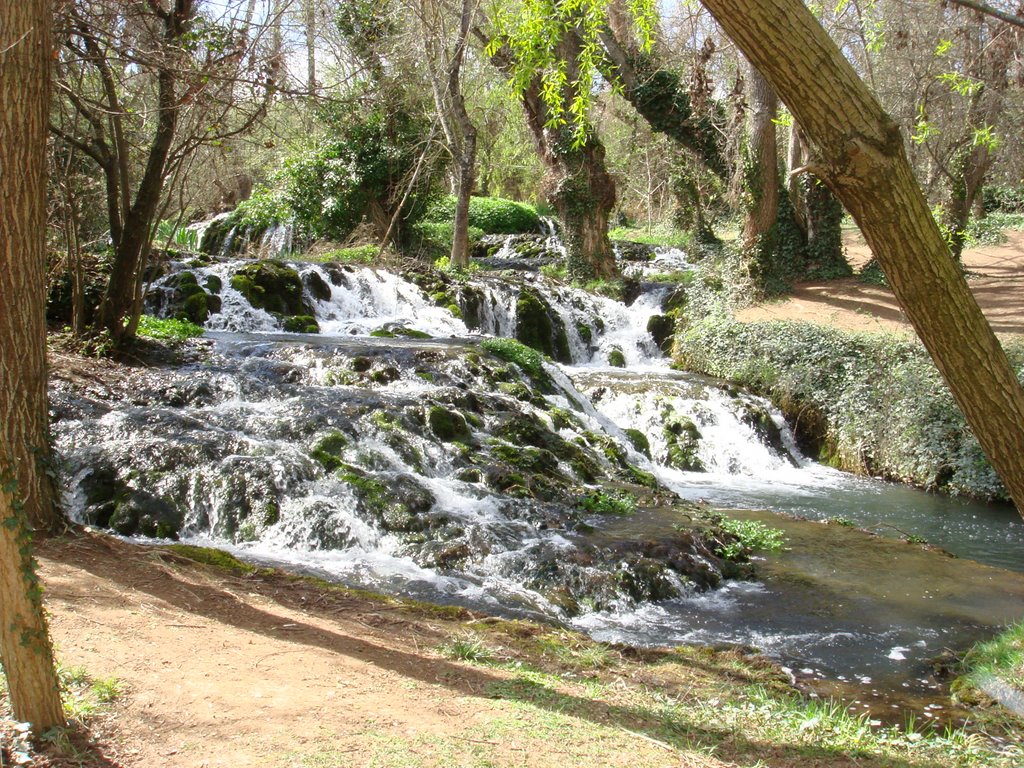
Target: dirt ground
(263, 670)
(995, 274)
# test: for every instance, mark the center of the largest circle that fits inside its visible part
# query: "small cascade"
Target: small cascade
(277, 240)
(695, 425)
(362, 300)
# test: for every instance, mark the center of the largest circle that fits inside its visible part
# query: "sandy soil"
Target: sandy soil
(995, 274)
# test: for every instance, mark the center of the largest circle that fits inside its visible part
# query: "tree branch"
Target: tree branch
(988, 10)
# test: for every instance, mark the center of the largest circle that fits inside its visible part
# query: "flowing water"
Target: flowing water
(227, 449)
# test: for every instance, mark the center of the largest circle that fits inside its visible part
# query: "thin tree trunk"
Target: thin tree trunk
(26, 490)
(858, 151)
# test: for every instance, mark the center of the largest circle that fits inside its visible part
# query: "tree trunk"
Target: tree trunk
(762, 180)
(26, 491)
(131, 251)
(858, 151)
(582, 192)
(467, 174)
(309, 22)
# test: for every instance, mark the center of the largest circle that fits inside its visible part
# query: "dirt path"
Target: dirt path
(996, 275)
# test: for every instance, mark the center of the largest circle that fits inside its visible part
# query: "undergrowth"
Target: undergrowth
(168, 328)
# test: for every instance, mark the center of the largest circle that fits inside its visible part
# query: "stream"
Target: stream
(426, 467)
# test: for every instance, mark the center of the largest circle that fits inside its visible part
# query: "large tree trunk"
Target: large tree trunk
(858, 151)
(26, 491)
(581, 190)
(762, 177)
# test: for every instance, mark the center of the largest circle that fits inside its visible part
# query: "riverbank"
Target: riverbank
(229, 667)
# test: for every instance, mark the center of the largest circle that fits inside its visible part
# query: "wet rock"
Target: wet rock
(143, 513)
(662, 329)
(273, 286)
(449, 426)
(539, 326)
(316, 286)
(682, 439)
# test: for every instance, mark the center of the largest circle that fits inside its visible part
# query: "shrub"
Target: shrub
(264, 208)
(489, 215)
(868, 403)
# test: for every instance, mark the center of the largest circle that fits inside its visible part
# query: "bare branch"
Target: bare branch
(988, 10)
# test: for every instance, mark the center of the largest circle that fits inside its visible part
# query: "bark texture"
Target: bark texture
(26, 490)
(857, 150)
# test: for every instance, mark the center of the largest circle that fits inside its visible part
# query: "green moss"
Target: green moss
(328, 449)
(683, 441)
(538, 326)
(529, 360)
(616, 359)
(527, 458)
(449, 426)
(214, 558)
(273, 286)
(214, 284)
(301, 324)
(639, 441)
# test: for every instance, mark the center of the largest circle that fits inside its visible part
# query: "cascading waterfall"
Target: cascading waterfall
(425, 466)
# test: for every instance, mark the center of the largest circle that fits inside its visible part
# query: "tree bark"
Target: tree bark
(26, 490)
(857, 150)
(762, 182)
(131, 251)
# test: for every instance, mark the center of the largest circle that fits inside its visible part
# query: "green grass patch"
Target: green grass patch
(751, 536)
(608, 503)
(168, 328)
(657, 235)
(489, 215)
(527, 358)
(1001, 658)
(213, 557)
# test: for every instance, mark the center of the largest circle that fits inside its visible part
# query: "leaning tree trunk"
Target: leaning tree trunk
(26, 491)
(858, 151)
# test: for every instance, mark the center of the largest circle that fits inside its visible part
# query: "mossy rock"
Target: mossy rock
(662, 329)
(449, 426)
(328, 449)
(301, 324)
(683, 441)
(538, 326)
(143, 513)
(639, 441)
(273, 286)
(214, 284)
(616, 358)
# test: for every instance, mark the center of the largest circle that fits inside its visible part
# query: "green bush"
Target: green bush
(990, 230)
(751, 536)
(489, 215)
(868, 403)
(264, 208)
(1003, 199)
(434, 238)
(360, 254)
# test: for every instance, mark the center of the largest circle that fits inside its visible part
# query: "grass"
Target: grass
(657, 235)
(527, 358)
(751, 536)
(367, 255)
(168, 328)
(469, 647)
(1001, 658)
